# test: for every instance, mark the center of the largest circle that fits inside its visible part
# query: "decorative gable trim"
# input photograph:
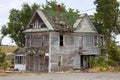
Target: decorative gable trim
(79, 21)
(90, 22)
(44, 19)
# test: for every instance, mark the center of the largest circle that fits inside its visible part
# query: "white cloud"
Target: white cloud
(8, 41)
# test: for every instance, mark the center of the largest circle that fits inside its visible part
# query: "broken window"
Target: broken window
(61, 40)
(43, 25)
(101, 40)
(95, 40)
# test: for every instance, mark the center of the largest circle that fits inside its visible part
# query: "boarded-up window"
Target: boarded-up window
(88, 39)
(46, 42)
(37, 40)
(28, 41)
(40, 40)
(69, 40)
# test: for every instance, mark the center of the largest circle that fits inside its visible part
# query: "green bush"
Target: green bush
(92, 62)
(2, 57)
(100, 61)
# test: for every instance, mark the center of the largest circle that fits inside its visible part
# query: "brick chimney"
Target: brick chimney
(58, 8)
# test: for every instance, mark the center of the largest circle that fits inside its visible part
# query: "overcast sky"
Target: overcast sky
(6, 5)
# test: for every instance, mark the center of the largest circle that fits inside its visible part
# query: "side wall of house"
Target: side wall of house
(65, 57)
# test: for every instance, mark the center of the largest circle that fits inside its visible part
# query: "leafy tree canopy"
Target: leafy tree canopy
(106, 17)
(17, 21)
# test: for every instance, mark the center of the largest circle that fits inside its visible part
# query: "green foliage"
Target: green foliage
(18, 20)
(5, 65)
(2, 57)
(98, 62)
(68, 17)
(113, 51)
(51, 5)
(106, 17)
(92, 62)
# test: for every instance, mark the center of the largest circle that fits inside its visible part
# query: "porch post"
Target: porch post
(49, 67)
(80, 52)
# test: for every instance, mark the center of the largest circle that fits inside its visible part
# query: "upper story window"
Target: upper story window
(61, 40)
(101, 40)
(95, 40)
(27, 40)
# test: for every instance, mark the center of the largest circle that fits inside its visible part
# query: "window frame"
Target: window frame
(95, 40)
(19, 59)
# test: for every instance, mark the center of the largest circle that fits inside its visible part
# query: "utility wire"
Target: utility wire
(95, 8)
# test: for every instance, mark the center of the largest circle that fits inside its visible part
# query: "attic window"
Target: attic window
(61, 40)
(42, 25)
(36, 24)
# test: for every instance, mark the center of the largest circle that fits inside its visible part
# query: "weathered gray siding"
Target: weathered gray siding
(91, 44)
(71, 43)
(37, 42)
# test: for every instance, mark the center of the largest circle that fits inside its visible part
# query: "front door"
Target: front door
(84, 61)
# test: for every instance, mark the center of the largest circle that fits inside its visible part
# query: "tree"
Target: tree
(106, 17)
(2, 57)
(18, 19)
(51, 5)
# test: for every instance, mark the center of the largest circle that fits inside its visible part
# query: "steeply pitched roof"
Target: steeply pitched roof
(84, 24)
(63, 21)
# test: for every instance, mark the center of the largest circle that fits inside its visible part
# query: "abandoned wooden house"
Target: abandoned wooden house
(60, 41)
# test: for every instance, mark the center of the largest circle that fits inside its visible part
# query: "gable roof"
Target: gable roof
(84, 24)
(55, 20)
(19, 51)
(44, 19)
(61, 19)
